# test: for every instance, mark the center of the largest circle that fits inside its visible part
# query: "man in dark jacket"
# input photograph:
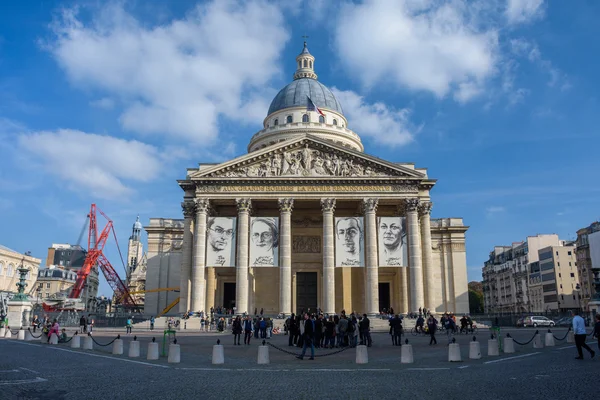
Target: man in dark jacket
(309, 336)
(293, 328)
(597, 329)
(365, 328)
(396, 330)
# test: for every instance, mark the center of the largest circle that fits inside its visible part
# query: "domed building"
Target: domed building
(307, 220)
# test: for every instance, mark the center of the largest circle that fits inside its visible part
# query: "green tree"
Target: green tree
(475, 302)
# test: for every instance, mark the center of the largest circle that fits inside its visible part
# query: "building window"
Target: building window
(321, 119)
(276, 122)
(289, 119)
(310, 62)
(47, 295)
(335, 121)
(570, 264)
(572, 275)
(558, 264)
(305, 118)
(1, 268)
(561, 285)
(9, 271)
(559, 275)
(305, 64)
(47, 285)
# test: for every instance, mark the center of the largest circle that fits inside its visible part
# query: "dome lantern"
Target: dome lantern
(305, 63)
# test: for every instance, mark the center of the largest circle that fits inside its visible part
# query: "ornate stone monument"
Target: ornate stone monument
(19, 307)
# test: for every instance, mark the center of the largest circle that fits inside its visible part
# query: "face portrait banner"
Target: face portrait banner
(220, 241)
(349, 238)
(264, 242)
(392, 242)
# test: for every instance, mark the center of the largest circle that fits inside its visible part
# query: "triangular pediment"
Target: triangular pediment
(304, 157)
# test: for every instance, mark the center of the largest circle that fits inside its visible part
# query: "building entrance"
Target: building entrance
(229, 294)
(384, 296)
(306, 291)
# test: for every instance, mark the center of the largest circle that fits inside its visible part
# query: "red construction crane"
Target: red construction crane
(95, 256)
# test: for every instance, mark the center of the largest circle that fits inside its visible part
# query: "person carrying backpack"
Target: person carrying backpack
(128, 325)
(450, 327)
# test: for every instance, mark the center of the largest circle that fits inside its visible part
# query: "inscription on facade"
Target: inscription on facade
(306, 244)
(309, 188)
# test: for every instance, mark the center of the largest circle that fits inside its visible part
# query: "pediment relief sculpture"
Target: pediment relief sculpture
(307, 161)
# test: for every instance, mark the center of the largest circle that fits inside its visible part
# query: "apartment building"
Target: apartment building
(506, 274)
(584, 261)
(554, 280)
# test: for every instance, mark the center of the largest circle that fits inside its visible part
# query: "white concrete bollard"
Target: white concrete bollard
(152, 351)
(493, 349)
(134, 349)
(406, 354)
(174, 354)
(571, 337)
(21, 334)
(218, 354)
(454, 352)
(117, 348)
(263, 355)
(549, 340)
(88, 344)
(362, 356)
(474, 351)
(54, 339)
(76, 342)
(2, 332)
(509, 345)
(537, 342)
(8, 334)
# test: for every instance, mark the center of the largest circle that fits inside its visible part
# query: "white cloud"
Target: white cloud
(105, 103)
(530, 50)
(436, 46)
(99, 165)
(493, 210)
(180, 77)
(523, 11)
(384, 124)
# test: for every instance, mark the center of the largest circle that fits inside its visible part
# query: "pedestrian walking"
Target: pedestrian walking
(432, 329)
(152, 323)
(83, 324)
(248, 329)
(450, 327)
(580, 335)
(309, 331)
(128, 326)
(597, 329)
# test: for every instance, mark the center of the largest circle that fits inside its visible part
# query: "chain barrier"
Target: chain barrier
(13, 333)
(523, 344)
(103, 345)
(316, 355)
(33, 336)
(564, 337)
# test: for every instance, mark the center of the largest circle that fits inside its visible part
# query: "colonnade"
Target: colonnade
(193, 282)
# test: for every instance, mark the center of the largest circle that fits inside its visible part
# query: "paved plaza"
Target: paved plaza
(33, 370)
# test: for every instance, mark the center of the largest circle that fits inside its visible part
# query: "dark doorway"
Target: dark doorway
(384, 296)
(229, 294)
(306, 291)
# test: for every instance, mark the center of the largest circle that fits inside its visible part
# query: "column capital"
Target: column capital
(328, 205)
(286, 204)
(188, 208)
(369, 205)
(202, 205)
(425, 208)
(243, 205)
(411, 204)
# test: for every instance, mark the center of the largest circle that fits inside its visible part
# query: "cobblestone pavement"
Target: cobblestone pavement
(36, 370)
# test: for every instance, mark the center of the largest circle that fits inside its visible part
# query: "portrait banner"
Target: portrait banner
(349, 242)
(220, 241)
(392, 242)
(264, 242)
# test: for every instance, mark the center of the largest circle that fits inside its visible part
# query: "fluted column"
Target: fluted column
(285, 249)
(241, 276)
(188, 208)
(198, 281)
(369, 207)
(328, 207)
(211, 281)
(425, 212)
(414, 247)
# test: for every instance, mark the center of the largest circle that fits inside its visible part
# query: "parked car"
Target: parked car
(536, 321)
(521, 322)
(566, 321)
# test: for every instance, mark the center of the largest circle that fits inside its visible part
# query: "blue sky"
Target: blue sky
(110, 102)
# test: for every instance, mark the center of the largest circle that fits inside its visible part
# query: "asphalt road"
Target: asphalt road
(33, 370)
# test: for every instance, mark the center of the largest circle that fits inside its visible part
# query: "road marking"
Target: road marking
(206, 369)
(426, 369)
(570, 347)
(97, 355)
(463, 367)
(341, 369)
(30, 370)
(23, 381)
(511, 358)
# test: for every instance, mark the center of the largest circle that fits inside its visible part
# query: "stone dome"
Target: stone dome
(296, 94)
